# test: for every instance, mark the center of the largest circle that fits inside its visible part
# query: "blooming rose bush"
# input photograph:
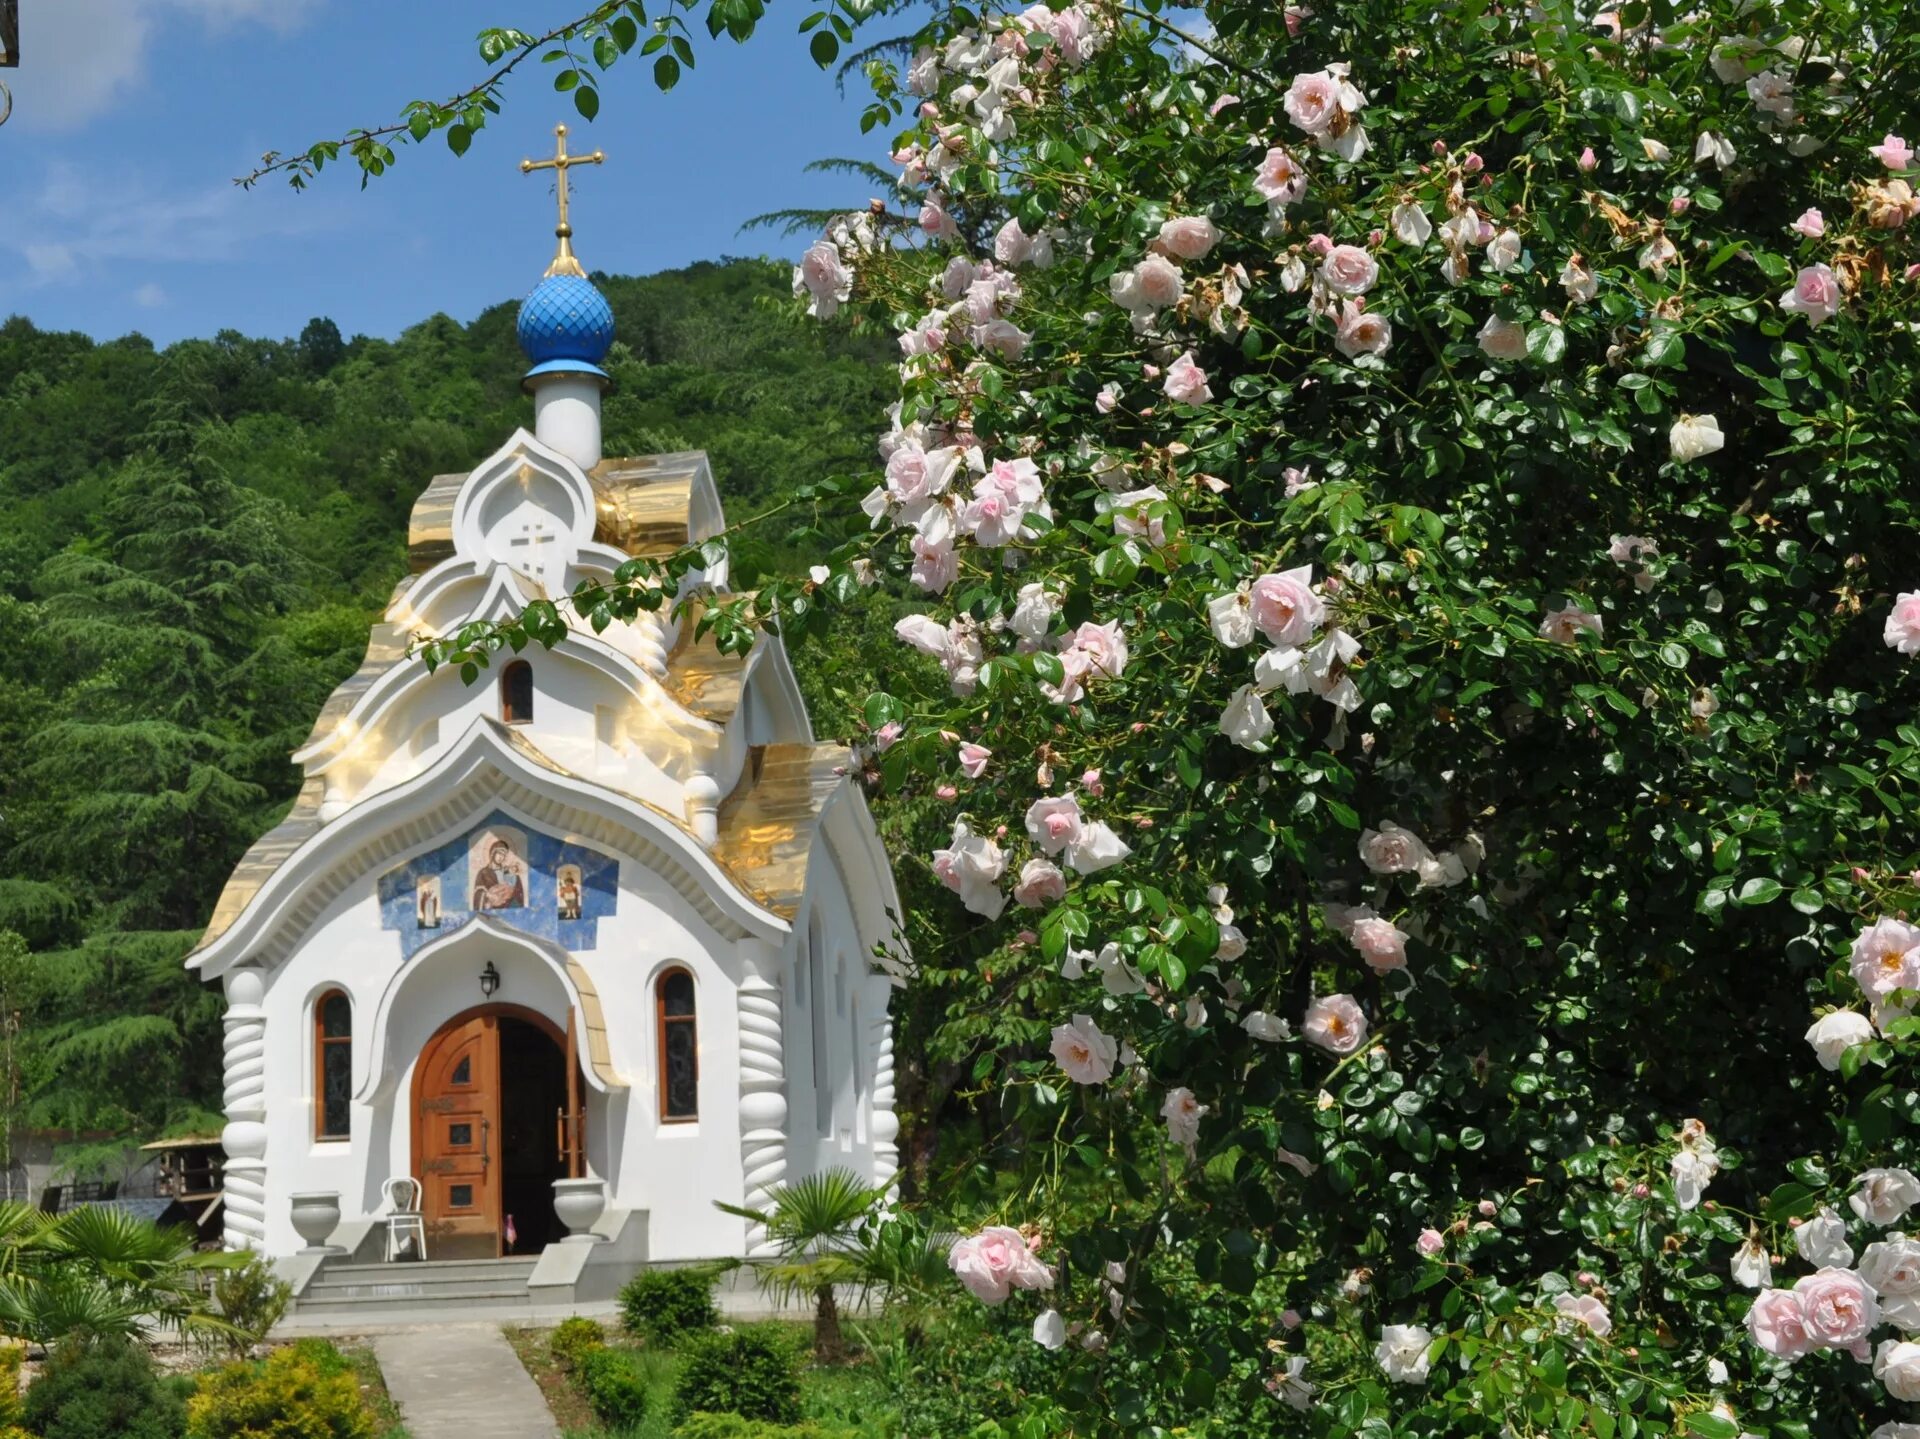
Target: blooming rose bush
(1400, 521)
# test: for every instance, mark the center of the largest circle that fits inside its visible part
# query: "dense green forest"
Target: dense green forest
(193, 542)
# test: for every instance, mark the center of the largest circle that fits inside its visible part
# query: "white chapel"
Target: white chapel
(581, 947)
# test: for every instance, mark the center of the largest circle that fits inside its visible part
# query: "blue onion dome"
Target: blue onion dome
(565, 324)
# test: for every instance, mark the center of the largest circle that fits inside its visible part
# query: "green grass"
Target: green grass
(373, 1389)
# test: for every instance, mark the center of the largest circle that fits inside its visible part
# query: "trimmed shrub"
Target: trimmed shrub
(252, 1298)
(734, 1426)
(102, 1389)
(615, 1386)
(663, 1304)
(752, 1371)
(322, 1355)
(294, 1393)
(570, 1341)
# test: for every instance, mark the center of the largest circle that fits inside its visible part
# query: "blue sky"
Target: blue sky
(118, 211)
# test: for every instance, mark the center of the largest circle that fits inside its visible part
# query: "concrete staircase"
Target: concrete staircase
(343, 1295)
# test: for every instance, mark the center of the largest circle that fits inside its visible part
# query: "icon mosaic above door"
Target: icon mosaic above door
(517, 876)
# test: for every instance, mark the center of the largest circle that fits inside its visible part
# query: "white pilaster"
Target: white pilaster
(886, 1124)
(245, 1137)
(763, 1081)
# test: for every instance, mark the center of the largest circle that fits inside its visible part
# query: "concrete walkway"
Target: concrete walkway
(462, 1381)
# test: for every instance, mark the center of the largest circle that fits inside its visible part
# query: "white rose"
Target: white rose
(1245, 720)
(1402, 1353)
(1896, 1364)
(1693, 436)
(1822, 1241)
(1049, 1329)
(1231, 619)
(1885, 1195)
(1752, 1269)
(1393, 850)
(1262, 1025)
(1892, 1268)
(1893, 1429)
(1233, 943)
(1832, 1035)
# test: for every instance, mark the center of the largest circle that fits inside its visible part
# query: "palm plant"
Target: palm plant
(816, 1226)
(99, 1272)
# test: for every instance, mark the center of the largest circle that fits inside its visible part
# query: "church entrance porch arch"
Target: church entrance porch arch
(488, 1093)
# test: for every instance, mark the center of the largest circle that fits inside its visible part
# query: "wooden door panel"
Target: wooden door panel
(456, 1134)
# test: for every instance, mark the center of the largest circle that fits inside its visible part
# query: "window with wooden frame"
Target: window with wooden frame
(516, 693)
(679, 1048)
(332, 1065)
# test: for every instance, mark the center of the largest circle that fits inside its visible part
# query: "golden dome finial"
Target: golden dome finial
(564, 262)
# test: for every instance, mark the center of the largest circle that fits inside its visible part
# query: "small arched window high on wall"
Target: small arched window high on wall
(516, 693)
(332, 1064)
(679, 1048)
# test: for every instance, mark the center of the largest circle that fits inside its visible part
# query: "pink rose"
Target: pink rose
(1359, 331)
(1564, 626)
(1381, 944)
(1886, 958)
(1811, 223)
(1313, 102)
(1502, 339)
(1903, 624)
(935, 566)
(1159, 282)
(1187, 382)
(934, 219)
(1587, 159)
(1430, 1242)
(1893, 152)
(1280, 180)
(1290, 1319)
(1054, 823)
(1183, 1113)
(1838, 1310)
(1189, 236)
(1041, 883)
(1349, 270)
(1335, 1023)
(1285, 607)
(1090, 782)
(1103, 648)
(1393, 850)
(1815, 294)
(1222, 103)
(1585, 1309)
(995, 1262)
(1778, 1324)
(973, 759)
(1083, 1052)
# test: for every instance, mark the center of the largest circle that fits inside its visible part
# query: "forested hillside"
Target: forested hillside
(193, 542)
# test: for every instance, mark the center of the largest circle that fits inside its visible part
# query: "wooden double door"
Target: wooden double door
(487, 1093)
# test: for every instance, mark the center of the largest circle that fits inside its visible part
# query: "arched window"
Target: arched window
(516, 693)
(679, 1048)
(332, 1064)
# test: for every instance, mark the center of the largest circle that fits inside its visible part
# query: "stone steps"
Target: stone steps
(448, 1286)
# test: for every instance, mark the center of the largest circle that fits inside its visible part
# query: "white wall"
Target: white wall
(674, 1171)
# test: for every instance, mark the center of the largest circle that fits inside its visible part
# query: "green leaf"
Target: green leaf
(1709, 1425)
(824, 48)
(666, 72)
(587, 101)
(458, 138)
(1759, 891)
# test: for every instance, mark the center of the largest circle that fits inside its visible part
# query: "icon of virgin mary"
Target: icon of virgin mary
(498, 885)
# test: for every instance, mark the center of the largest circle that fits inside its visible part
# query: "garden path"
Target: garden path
(462, 1381)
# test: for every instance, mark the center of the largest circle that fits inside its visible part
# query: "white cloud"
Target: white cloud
(81, 224)
(83, 58)
(149, 296)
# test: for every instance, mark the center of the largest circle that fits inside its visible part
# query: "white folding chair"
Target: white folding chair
(406, 1229)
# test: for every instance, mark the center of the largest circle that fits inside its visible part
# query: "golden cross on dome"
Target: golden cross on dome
(563, 260)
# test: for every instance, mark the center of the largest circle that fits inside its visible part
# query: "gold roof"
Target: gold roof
(386, 647)
(704, 679)
(767, 824)
(643, 506)
(265, 855)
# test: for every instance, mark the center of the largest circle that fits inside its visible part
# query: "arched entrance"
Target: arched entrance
(487, 1095)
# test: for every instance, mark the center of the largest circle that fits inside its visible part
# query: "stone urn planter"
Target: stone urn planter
(315, 1217)
(579, 1203)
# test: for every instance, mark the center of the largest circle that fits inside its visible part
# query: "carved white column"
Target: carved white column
(763, 1083)
(886, 1124)
(653, 641)
(703, 807)
(245, 1137)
